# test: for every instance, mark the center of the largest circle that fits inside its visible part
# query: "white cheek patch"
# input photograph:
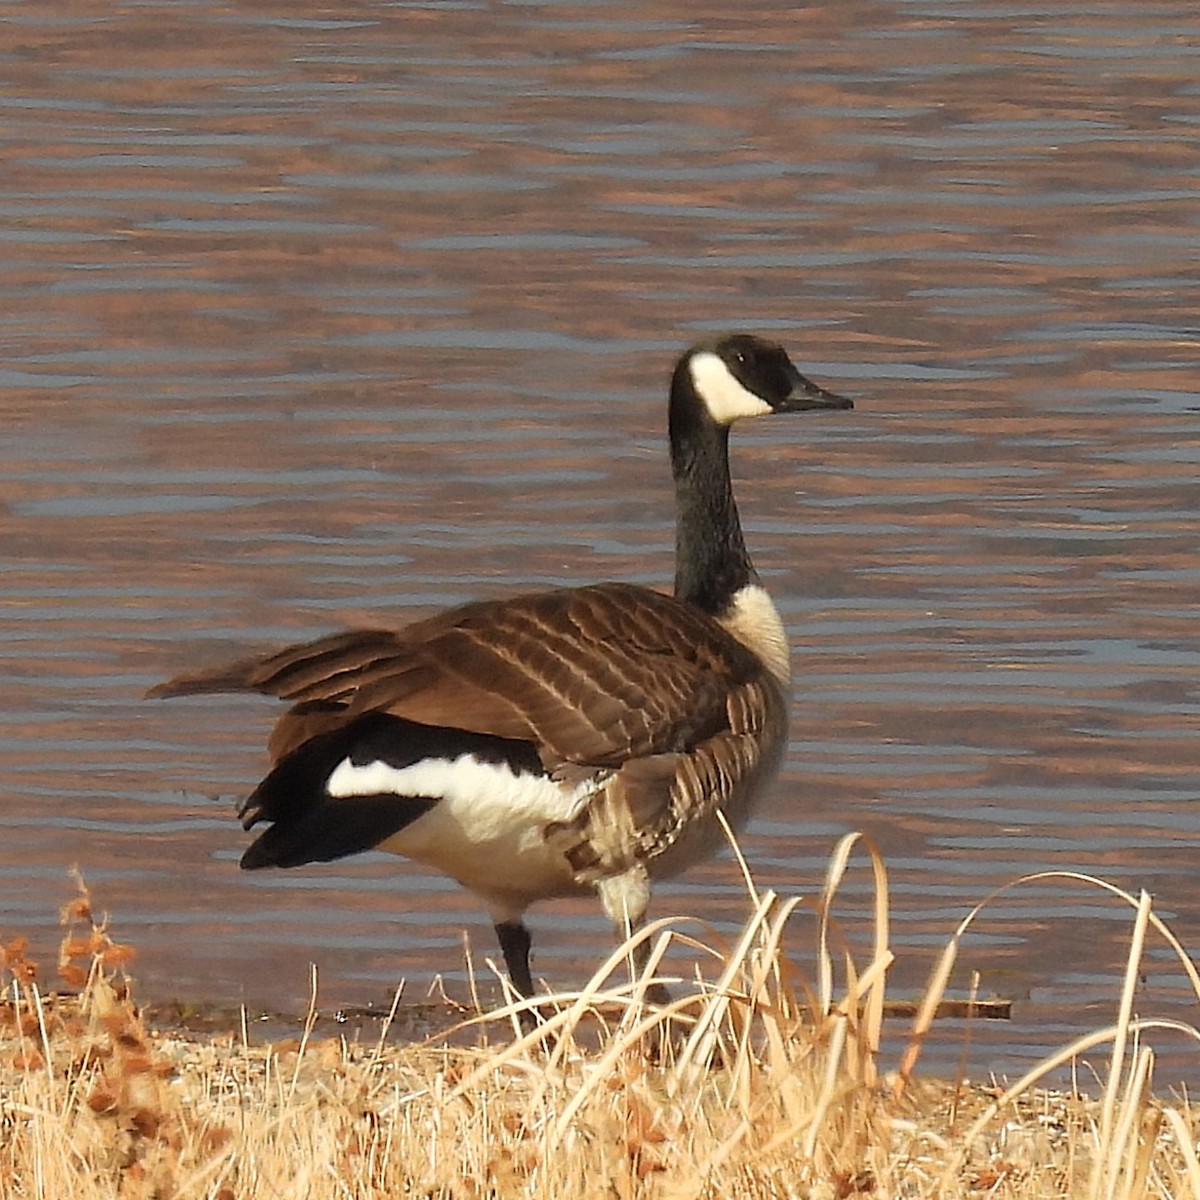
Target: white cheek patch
(725, 398)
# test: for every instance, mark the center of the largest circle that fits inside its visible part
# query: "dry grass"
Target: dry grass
(750, 1085)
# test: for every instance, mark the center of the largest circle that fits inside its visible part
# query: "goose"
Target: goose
(561, 741)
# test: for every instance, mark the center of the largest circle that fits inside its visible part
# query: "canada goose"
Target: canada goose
(549, 743)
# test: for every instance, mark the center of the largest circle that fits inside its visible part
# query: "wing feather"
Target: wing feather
(658, 810)
(592, 676)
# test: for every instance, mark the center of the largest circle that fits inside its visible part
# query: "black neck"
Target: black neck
(711, 562)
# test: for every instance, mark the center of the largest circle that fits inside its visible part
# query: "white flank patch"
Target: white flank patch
(725, 398)
(754, 620)
(457, 780)
(486, 829)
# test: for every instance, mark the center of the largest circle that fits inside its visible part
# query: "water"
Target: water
(334, 317)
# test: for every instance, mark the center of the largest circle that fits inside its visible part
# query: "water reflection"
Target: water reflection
(322, 320)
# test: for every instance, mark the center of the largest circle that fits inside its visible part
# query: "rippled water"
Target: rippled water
(325, 315)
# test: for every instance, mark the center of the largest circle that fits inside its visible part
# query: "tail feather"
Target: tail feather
(312, 671)
(306, 823)
(229, 677)
(325, 830)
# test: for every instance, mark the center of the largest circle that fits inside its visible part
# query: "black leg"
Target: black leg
(514, 943)
(656, 993)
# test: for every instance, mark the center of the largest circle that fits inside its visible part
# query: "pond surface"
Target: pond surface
(326, 315)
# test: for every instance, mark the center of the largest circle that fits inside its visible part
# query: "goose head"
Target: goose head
(715, 384)
(740, 375)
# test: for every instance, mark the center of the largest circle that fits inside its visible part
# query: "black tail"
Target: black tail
(309, 825)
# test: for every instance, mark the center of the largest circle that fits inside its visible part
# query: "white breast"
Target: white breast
(754, 620)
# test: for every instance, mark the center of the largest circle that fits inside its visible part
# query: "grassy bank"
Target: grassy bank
(753, 1083)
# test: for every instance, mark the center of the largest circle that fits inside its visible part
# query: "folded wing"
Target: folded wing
(593, 676)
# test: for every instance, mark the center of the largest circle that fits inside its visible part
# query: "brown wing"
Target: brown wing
(658, 810)
(592, 675)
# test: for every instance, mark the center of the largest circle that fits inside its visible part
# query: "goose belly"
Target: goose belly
(486, 829)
